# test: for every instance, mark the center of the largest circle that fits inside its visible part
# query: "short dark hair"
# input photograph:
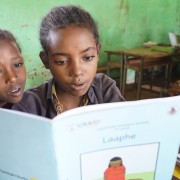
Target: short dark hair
(7, 35)
(63, 16)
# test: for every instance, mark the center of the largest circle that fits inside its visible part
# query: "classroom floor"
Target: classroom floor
(131, 90)
(131, 93)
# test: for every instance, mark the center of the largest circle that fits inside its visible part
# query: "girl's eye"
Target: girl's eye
(88, 58)
(61, 62)
(18, 65)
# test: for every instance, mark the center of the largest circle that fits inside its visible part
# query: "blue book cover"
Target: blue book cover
(125, 140)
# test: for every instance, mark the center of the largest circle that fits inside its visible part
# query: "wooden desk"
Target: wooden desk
(140, 59)
(118, 65)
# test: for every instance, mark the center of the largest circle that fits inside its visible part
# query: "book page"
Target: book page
(144, 134)
(26, 147)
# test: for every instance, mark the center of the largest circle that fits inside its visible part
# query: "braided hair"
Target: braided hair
(63, 16)
(8, 36)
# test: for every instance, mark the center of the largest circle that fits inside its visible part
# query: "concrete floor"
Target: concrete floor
(131, 93)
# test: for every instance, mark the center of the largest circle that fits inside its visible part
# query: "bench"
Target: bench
(110, 66)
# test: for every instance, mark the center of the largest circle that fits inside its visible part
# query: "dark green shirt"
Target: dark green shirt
(38, 100)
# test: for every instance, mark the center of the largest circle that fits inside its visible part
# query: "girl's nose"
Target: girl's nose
(76, 69)
(11, 76)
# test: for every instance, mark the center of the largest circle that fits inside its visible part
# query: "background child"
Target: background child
(116, 170)
(70, 41)
(12, 70)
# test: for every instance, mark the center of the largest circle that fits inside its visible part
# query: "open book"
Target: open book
(78, 144)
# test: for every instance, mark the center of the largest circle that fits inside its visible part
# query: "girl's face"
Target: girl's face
(72, 59)
(12, 73)
(116, 164)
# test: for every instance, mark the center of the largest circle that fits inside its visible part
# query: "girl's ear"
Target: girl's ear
(98, 48)
(44, 58)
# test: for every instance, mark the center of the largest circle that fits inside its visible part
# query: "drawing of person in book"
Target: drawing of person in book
(115, 170)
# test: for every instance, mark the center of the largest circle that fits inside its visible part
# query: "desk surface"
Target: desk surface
(141, 53)
(143, 58)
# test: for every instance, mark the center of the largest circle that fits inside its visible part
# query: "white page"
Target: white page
(78, 144)
(26, 147)
(144, 133)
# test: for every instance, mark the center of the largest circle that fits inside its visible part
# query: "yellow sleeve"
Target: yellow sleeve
(177, 171)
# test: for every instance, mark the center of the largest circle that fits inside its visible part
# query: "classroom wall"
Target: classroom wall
(122, 24)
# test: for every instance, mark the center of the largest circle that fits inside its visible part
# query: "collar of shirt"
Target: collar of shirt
(58, 106)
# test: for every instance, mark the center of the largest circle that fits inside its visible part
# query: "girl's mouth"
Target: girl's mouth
(15, 92)
(78, 87)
